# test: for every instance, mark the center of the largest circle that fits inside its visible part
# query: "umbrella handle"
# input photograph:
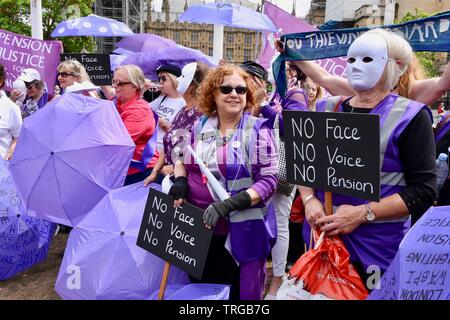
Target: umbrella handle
(162, 287)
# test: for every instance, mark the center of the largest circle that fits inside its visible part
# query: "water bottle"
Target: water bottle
(442, 170)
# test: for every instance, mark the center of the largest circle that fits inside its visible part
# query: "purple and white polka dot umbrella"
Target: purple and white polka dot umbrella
(92, 25)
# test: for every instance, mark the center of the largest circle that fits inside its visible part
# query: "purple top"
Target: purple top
(287, 103)
(179, 132)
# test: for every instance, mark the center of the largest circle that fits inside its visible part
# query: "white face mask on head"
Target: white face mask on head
(366, 59)
(187, 75)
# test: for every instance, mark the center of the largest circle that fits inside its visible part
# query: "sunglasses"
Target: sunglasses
(162, 78)
(228, 89)
(65, 74)
(29, 85)
(120, 83)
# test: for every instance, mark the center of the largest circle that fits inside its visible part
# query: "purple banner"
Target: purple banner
(421, 268)
(18, 52)
(287, 23)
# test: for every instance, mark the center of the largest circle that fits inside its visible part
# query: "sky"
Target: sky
(301, 9)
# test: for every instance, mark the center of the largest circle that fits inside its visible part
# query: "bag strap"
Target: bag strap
(338, 103)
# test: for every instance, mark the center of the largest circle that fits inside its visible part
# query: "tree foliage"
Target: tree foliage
(427, 59)
(15, 17)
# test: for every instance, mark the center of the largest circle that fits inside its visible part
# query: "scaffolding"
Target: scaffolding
(130, 12)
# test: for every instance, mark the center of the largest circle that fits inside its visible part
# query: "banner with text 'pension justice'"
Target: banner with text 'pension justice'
(18, 52)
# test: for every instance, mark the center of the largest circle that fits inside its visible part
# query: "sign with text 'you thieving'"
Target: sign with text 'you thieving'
(337, 152)
(176, 235)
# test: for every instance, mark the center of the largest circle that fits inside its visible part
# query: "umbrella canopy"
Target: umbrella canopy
(144, 41)
(92, 25)
(195, 291)
(102, 250)
(420, 268)
(228, 14)
(69, 155)
(148, 61)
(24, 240)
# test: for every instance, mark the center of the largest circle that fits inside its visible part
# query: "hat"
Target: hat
(255, 69)
(170, 68)
(29, 75)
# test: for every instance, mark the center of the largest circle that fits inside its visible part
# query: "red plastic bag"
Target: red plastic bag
(326, 270)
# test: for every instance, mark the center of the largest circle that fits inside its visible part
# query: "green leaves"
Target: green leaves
(15, 17)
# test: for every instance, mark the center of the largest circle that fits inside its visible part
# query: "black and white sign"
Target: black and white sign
(98, 66)
(337, 152)
(176, 235)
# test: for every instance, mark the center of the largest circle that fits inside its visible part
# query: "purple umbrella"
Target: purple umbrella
(92, 25)
(195, 291)
(69, 155)
(102, 260)
(24, 240)
(148, 61)
(420, 268)
(145, 41)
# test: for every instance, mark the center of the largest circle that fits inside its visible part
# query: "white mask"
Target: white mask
(366, 59)
(187, 75)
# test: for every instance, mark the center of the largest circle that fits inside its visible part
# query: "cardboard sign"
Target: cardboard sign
(97, 66)
(176, 235)
(337, 152)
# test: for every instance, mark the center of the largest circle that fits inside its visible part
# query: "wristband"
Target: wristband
(308, 198)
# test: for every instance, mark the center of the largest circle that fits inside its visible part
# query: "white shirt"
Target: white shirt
(166, 108)
(10, 122)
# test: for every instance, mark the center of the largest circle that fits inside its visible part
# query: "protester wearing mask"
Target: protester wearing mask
(372, 231)
(179, 133)
(167, 105)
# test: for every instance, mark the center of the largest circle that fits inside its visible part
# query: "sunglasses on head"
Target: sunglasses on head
(228, 89)
(120, 83)
(162, 78)
(65, 74)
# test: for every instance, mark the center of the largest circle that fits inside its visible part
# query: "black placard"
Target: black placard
(98, 66)
(337, 152)
(176, 235)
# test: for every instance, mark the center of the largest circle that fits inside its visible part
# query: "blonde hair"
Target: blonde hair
(76, 68)
(135, 75)
(399, 54)
(414, 72)
(214, 79)
(172, 78)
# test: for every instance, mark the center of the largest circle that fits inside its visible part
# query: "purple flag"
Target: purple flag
(420, 270)
(18, 52)
(286, 24)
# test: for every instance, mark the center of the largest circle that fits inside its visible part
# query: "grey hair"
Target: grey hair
(399, 54)
(135, 74)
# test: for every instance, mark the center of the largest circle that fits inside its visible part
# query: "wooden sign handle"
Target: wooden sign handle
(162, 287)
(328, 203)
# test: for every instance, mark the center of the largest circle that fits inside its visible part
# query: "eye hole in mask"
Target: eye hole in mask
(351, 60)
(367, 59)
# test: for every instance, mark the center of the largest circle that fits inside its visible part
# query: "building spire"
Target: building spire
(166, 10)
(294, 4)
(185, 5)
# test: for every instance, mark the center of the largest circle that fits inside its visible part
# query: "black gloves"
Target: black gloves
(179, 188)
(240, 201)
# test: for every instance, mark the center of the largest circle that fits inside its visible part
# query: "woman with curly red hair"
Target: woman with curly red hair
(239, 150)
